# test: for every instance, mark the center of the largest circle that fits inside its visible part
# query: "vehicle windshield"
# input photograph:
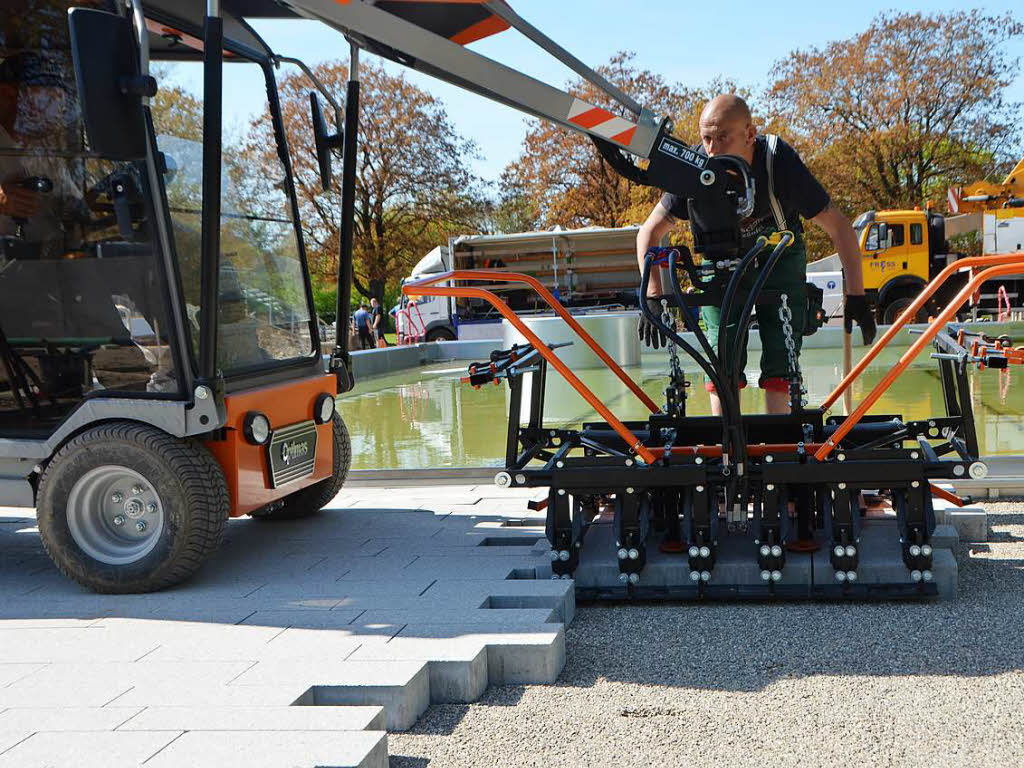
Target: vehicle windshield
(264, 306)
(82, 281)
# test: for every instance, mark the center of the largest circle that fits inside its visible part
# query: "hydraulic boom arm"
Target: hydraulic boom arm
(720, 188)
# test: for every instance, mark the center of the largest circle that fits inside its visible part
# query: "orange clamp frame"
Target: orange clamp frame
(911, 312)
(427, 287)
(920, 343)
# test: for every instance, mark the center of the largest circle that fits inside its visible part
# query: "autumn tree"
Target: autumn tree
(893, 115)
(568, 181)
(413, 185)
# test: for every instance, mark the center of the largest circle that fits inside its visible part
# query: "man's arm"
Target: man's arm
(844, 239)
(653, 230)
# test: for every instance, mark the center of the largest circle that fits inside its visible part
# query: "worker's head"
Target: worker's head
(727, 128)
(373, 302)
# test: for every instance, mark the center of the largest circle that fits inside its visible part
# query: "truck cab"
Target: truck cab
(901, 250)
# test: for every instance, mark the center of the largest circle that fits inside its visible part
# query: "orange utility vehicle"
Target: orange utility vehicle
(160, 364)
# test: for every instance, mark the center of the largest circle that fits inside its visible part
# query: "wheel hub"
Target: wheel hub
(101, 503)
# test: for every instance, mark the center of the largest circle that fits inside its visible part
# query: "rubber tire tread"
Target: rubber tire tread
(440, 334)
(312, 499)
(205, 498)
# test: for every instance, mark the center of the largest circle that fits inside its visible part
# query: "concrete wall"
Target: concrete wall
(378, 362)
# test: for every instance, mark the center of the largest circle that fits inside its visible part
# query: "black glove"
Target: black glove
(648, 333)
(857, 308)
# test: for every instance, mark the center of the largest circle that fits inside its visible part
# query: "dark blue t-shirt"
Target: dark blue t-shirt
(798, 192)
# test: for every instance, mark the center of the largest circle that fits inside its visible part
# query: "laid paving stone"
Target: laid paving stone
(401, 688)
(86, 749)
(77, 676)
(10, 673)
(211, 718)
(9, 738)
(70, 645)
(97, 695)
(472, 617)
(509, 593)
(66, 718)
(344, 588)
(189, 693)
(245, 749)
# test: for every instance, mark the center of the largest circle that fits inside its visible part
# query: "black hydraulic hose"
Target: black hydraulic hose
(748, 308)
(707, 367)
(731, 424)
(677, 291)
(731, 290)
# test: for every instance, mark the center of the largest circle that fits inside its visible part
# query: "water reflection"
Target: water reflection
(425, 417)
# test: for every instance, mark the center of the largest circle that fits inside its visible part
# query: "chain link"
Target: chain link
(797, 391)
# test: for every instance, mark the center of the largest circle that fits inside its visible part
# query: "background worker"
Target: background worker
(363, 327)
(727, 128)
(376, 321)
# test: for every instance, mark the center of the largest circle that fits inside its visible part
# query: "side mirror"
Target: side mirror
(110, 86)
(325, 142)
(883, 236)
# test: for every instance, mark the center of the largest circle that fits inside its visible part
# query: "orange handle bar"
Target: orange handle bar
(426, 287)
(910, 312)
(920, 343)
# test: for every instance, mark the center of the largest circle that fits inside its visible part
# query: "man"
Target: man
(726, 128)
(363, 327)
(376, 320)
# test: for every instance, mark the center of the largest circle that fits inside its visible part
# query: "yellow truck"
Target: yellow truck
(901, 250)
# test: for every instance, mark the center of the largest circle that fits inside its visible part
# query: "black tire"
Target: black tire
(440, 334)
(193, 495)
(312, 499)
(896, 307)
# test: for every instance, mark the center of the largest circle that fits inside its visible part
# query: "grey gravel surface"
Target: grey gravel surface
(768, 684)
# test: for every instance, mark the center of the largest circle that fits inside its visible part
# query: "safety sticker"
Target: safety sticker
(680, 151)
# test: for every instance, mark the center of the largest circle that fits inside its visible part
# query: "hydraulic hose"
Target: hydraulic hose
(731, 291)
(748, 308)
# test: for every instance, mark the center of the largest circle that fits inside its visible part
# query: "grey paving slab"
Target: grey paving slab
(461, 617)
(344, 588)
(86, 749)
(9, 738)
(212, 718)
(10, 673)
(341, 619)
(245, 749)
(401, 687)
(96, 695)
(46, 645)
(67, 718)
(195, 693)
(508, 593)
(78, 675)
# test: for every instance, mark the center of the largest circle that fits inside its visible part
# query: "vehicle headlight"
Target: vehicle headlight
(323, 411)
(256, 428)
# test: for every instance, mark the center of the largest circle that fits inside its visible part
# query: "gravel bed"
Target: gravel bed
(768, 684)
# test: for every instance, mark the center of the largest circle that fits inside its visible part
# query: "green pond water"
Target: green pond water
(424, 417)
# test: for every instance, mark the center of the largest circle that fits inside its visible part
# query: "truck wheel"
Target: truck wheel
(896, 307)
(312, 499)
(125, 507)
(440, 334)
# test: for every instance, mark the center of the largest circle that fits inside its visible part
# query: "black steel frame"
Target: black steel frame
(682, 491)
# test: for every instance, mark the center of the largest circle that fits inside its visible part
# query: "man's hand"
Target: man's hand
(18, 202)
(856, 308)
(648, 333)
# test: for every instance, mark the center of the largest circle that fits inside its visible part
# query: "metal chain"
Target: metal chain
(673, 357)
(797, 391)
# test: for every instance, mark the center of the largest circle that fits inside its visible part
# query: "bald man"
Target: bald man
(727, 128)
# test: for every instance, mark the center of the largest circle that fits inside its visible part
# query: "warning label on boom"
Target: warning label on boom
(680, 151)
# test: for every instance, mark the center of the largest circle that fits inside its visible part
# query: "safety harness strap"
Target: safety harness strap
(772, 142)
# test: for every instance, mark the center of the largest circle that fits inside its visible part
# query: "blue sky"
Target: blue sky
(690, 43)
